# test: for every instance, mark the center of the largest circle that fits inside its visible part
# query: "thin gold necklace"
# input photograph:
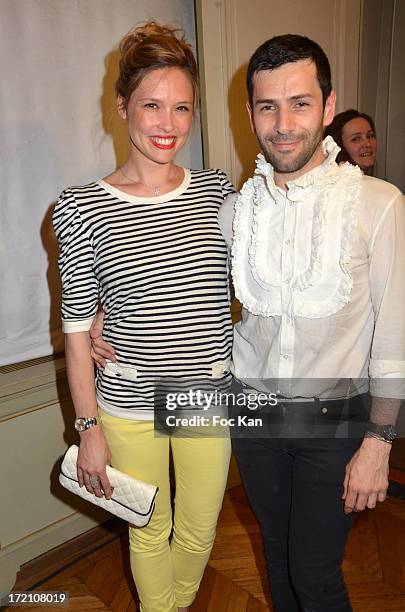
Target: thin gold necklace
(155, 190)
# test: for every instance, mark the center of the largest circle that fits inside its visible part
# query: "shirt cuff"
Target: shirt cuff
(70, 327)
(387, 378)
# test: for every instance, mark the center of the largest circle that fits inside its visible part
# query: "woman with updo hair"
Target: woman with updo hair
(354, 132)
(145, 242)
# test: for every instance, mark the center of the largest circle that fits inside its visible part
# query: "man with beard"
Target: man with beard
(318, 253)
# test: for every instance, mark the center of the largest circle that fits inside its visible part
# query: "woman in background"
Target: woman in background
(145, 240)
(354, 132)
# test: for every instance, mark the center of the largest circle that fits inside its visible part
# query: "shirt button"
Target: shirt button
(286, 356)
(287, 242)
(324, 410)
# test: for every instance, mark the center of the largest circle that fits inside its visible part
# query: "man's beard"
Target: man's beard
(288, 164)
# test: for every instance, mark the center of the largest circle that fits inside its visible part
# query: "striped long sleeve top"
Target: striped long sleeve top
(159, 267)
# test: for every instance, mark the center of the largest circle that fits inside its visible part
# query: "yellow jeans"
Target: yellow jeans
(167, 575)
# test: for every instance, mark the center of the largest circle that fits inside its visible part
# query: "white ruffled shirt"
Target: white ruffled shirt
(320, 272)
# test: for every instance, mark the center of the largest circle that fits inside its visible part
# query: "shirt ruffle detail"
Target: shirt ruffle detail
(329, 194)
(257, 258)
(241, 253)
(339, 211)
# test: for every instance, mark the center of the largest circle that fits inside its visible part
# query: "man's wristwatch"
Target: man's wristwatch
(388, 433)
(83, 423)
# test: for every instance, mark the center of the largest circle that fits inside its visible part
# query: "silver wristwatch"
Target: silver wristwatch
(83, 423)
(387, 433)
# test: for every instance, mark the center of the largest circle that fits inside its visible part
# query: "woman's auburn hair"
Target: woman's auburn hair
(335, 129)
(151, 46)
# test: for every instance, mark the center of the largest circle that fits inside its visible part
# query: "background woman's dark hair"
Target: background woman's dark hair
(335, 129)
(151, 46)
(286, 49)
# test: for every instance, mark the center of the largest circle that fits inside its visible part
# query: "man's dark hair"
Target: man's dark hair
(335, 129)
(286, 49)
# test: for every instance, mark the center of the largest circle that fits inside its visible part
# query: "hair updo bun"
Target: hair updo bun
(152, 46)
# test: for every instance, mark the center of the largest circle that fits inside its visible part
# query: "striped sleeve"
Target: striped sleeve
(76, 266)
(225, 218)
(226, 184)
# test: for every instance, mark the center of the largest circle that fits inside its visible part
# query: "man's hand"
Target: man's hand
(100, 350)
(366, 480)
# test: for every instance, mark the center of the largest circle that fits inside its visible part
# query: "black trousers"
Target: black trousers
(295, 488)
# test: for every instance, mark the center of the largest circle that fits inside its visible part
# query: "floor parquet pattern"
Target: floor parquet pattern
(235, 579)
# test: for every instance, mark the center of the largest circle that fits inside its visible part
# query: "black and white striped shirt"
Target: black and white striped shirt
(159, 267)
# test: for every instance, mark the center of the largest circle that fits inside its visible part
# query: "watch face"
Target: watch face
(83, 423)
(80, 424)
(390, 432)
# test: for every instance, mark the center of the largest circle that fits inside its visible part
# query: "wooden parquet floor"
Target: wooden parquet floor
(235, 580)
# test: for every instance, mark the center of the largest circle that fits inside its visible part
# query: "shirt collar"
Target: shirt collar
(314, 176)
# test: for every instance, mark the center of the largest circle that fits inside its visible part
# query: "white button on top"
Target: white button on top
(286, 356)
(287, 242)
(324, 410)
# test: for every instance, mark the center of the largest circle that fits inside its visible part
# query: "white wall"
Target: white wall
(58, 127)
(229, 32)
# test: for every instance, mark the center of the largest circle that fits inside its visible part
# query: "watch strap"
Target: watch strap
(370, 434)
(84, 423)
(387, 433)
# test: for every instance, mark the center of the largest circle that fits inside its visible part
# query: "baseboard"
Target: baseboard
(34, 572)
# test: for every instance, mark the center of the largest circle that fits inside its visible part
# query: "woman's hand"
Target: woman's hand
(93, 457)
(94, 453)
(100, 349)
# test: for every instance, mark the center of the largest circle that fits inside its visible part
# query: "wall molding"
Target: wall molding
(214, 18)
(35, 412)
(345, 62)
(31, 385)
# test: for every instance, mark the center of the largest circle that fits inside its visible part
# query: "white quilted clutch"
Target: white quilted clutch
(132, 500)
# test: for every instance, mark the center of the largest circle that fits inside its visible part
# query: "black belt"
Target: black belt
(302, 409)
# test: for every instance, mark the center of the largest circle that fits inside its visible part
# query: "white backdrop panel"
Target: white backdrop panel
(58, 127)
